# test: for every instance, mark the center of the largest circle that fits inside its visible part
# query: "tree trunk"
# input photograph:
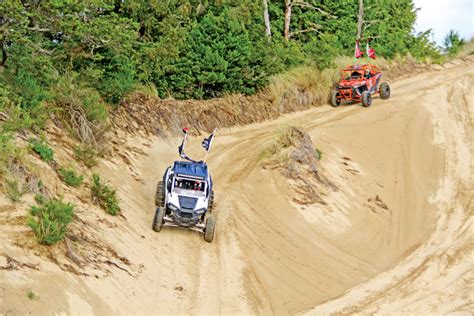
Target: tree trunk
(286, 31)
(266, 18)
(360, 19)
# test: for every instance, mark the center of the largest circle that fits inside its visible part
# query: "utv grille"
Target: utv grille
(186, 215)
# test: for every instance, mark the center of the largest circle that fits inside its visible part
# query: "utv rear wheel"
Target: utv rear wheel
(160, 194)
(158, 219)
(209, 230)
(366, 98)
(384, 90)
(211, 202)
(335, 101)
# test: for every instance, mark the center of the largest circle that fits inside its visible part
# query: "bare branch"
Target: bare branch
(307, 5)
(367, 24)
(38, 29)
(316, 28)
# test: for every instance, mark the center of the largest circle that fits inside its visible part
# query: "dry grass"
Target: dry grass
(292, 152)
(301, 88)
(19, 180)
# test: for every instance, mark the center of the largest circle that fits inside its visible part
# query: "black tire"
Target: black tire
(366, 99)
(335, 102)
(209, 230)
(158, 219)
(210, 205)
(160, 194)
(384, 90)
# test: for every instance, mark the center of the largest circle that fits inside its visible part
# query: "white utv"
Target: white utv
(185, 198)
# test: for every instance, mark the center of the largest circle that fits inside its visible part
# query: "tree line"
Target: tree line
(186, 48)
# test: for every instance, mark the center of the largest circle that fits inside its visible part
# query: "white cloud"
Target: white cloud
(442, 16)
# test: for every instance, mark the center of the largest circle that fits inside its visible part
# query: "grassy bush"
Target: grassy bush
(87, 154)
(7, 150)
(467, 49)
(121, 83)
(42, 149)
(14, 189)
(49, 219)
(70, 177)
(301, 87)
(80, 107)
(105, 195)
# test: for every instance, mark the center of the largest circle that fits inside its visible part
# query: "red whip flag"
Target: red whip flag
(370, 51)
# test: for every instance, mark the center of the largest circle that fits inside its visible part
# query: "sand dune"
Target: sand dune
(394, 233)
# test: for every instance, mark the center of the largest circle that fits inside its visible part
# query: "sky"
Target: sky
(444, 15)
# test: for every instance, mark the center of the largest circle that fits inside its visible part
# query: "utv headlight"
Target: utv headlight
(173, 207)
(201, 211)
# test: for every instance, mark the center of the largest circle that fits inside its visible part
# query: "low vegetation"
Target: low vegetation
(70, 177)
(292, 152)
(14, 189)
(106, 196)
(453, 43)
(87, 154)
(49, 219)
(32, 295)
(42, 149)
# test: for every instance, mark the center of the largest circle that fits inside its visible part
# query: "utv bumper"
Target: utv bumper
(349, 94)
(175, 221)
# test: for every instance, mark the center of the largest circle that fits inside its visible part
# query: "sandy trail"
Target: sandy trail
(412, 152)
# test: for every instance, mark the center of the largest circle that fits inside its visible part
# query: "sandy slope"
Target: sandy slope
(394, 234)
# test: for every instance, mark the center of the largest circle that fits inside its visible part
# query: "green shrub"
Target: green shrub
(42, 149)
(453, 43)
(119, 84)
(87, 154)
(49, 219)
(69, 176)
(31, 295)
(105, 195)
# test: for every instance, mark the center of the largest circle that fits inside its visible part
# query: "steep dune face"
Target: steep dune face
(390, 232)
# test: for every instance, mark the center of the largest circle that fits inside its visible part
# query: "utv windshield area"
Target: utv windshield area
(352, 74)
(189, 187)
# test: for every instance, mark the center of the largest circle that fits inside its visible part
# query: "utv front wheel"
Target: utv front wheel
(384, 90)
(158, 219)
(160, 194)
(209, 230)
(366, 98)
(335, 101)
